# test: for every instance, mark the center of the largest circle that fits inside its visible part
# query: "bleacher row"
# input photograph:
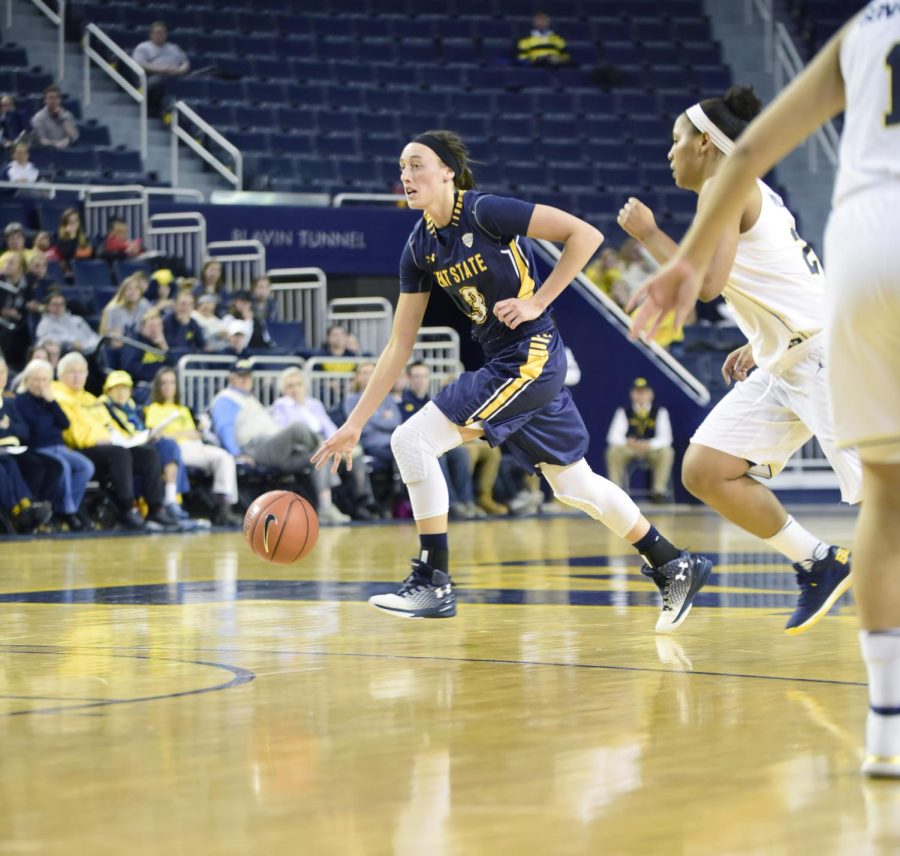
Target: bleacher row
(323, 101)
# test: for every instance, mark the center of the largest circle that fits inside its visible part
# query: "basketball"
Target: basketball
(281, 527)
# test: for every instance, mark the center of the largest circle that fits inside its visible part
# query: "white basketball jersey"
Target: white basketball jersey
(870, 66)
(776, 287)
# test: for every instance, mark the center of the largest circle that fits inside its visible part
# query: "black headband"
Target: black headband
(442, 150)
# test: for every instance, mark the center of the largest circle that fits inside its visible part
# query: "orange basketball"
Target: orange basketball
(281, 527)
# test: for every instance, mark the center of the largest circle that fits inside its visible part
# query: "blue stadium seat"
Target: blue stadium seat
(92, 273)
(116, 160)
(92, 134)
(124, 269)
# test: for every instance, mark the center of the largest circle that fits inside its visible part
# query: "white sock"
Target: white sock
(171, 493)
(793, 541)
(881, 651)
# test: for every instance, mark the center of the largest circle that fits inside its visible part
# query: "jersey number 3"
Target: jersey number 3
(475, 299)
(892, 61)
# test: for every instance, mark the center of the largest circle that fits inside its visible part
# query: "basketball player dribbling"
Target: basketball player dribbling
(472, 246)
(857, 71)
(774, 284)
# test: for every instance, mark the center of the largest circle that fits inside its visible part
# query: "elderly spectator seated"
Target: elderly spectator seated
(168, 415)
(53, 125)
(294, 405)
(16, 498)
(129, 422)
(181, 331)
(71, 330)
(92, 432)
(247, 430)
(46, 422)
(215, 329)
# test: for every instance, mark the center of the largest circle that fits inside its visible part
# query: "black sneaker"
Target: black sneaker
(679, 581)
(425, 593)
(32, 517)
(132, 520)
(820, 587)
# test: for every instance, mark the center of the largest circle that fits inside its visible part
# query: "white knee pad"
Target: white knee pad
(417, 444)
(579, 486)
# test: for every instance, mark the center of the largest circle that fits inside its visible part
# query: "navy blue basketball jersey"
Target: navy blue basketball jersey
(479, 258)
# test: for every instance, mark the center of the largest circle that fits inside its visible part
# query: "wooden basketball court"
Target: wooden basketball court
(177, 695)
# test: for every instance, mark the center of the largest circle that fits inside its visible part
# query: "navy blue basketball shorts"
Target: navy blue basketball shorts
(519, 398)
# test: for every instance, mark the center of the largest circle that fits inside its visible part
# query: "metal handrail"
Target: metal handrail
(58, 19)
(138, 94)
(394, 198)
(788, 65)
(235, 176)
(766, 12)
(664, 361)
(82, 189)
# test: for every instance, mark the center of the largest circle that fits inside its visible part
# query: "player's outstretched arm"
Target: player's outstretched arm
(815, 95)
(393, 359)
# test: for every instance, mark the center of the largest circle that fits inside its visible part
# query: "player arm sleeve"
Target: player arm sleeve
(663, 437)
(501, 217)
(618, 429)
(414, 278)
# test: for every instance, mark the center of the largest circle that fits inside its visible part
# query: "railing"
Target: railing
(438, 348)
(57, 17)
(138, 94)
(128, 203)
(181, 112)
(331, 385)
(788, 65)
(242, 262)
(367, 318)
(663, 360)
(181, 235)
(766, 13)
(397, 200)
(300, 295)
(49, 190)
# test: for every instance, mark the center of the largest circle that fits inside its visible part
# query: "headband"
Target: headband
(702, 123)
(442, 150)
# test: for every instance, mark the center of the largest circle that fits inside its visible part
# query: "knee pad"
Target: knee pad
(427, 435)
(579, 486)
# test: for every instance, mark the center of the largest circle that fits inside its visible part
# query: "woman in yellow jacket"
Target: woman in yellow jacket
(91, 432)
(176, 422)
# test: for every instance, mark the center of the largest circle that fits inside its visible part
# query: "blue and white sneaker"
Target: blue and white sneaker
(820, 587)
(425, 593)
(678, 581)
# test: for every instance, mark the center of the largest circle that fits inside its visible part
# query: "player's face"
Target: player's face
(684, 156)
(424, 177)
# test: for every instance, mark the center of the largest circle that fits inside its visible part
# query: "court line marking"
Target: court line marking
(240, 676)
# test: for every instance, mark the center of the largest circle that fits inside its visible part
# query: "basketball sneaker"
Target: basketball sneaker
(678, 581)
(820, 587)
(425, 593)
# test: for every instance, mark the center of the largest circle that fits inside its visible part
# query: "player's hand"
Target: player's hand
(338, 447)
(514, 311)
(673, 288)
(636, 219)
(738, 363)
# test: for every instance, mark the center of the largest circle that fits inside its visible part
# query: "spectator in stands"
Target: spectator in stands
(46, 422)
(39, 283)
(643, 432)
(604, 270)
(376, 436)
(264, 306)
(167, 414)
(16, 499)
(91, 431)
(215, 329)
(212, 282)
(13, 126)
(128, 421)
(15, 334)
(54, 126)
(179, 327)
(247, 430)
(149, 352)
(162, 60)
(542, 46)
(14, 238)
(256, 330)
(454, 464)
(71, 242)
(485, 461)
(336, 346)
(237, 339)
(117, 245)
(294, 405)
(636, 265)
(71, 330)
(20, 170)
(122, 315)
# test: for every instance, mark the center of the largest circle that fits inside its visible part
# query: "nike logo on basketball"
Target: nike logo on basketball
(270, 519)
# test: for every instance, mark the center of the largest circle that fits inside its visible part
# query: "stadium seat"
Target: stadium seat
(91, 273)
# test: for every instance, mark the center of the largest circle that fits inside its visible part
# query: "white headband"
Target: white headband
(702, 123)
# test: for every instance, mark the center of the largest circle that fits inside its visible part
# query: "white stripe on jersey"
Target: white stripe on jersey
(776, 287)
(870, 66)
